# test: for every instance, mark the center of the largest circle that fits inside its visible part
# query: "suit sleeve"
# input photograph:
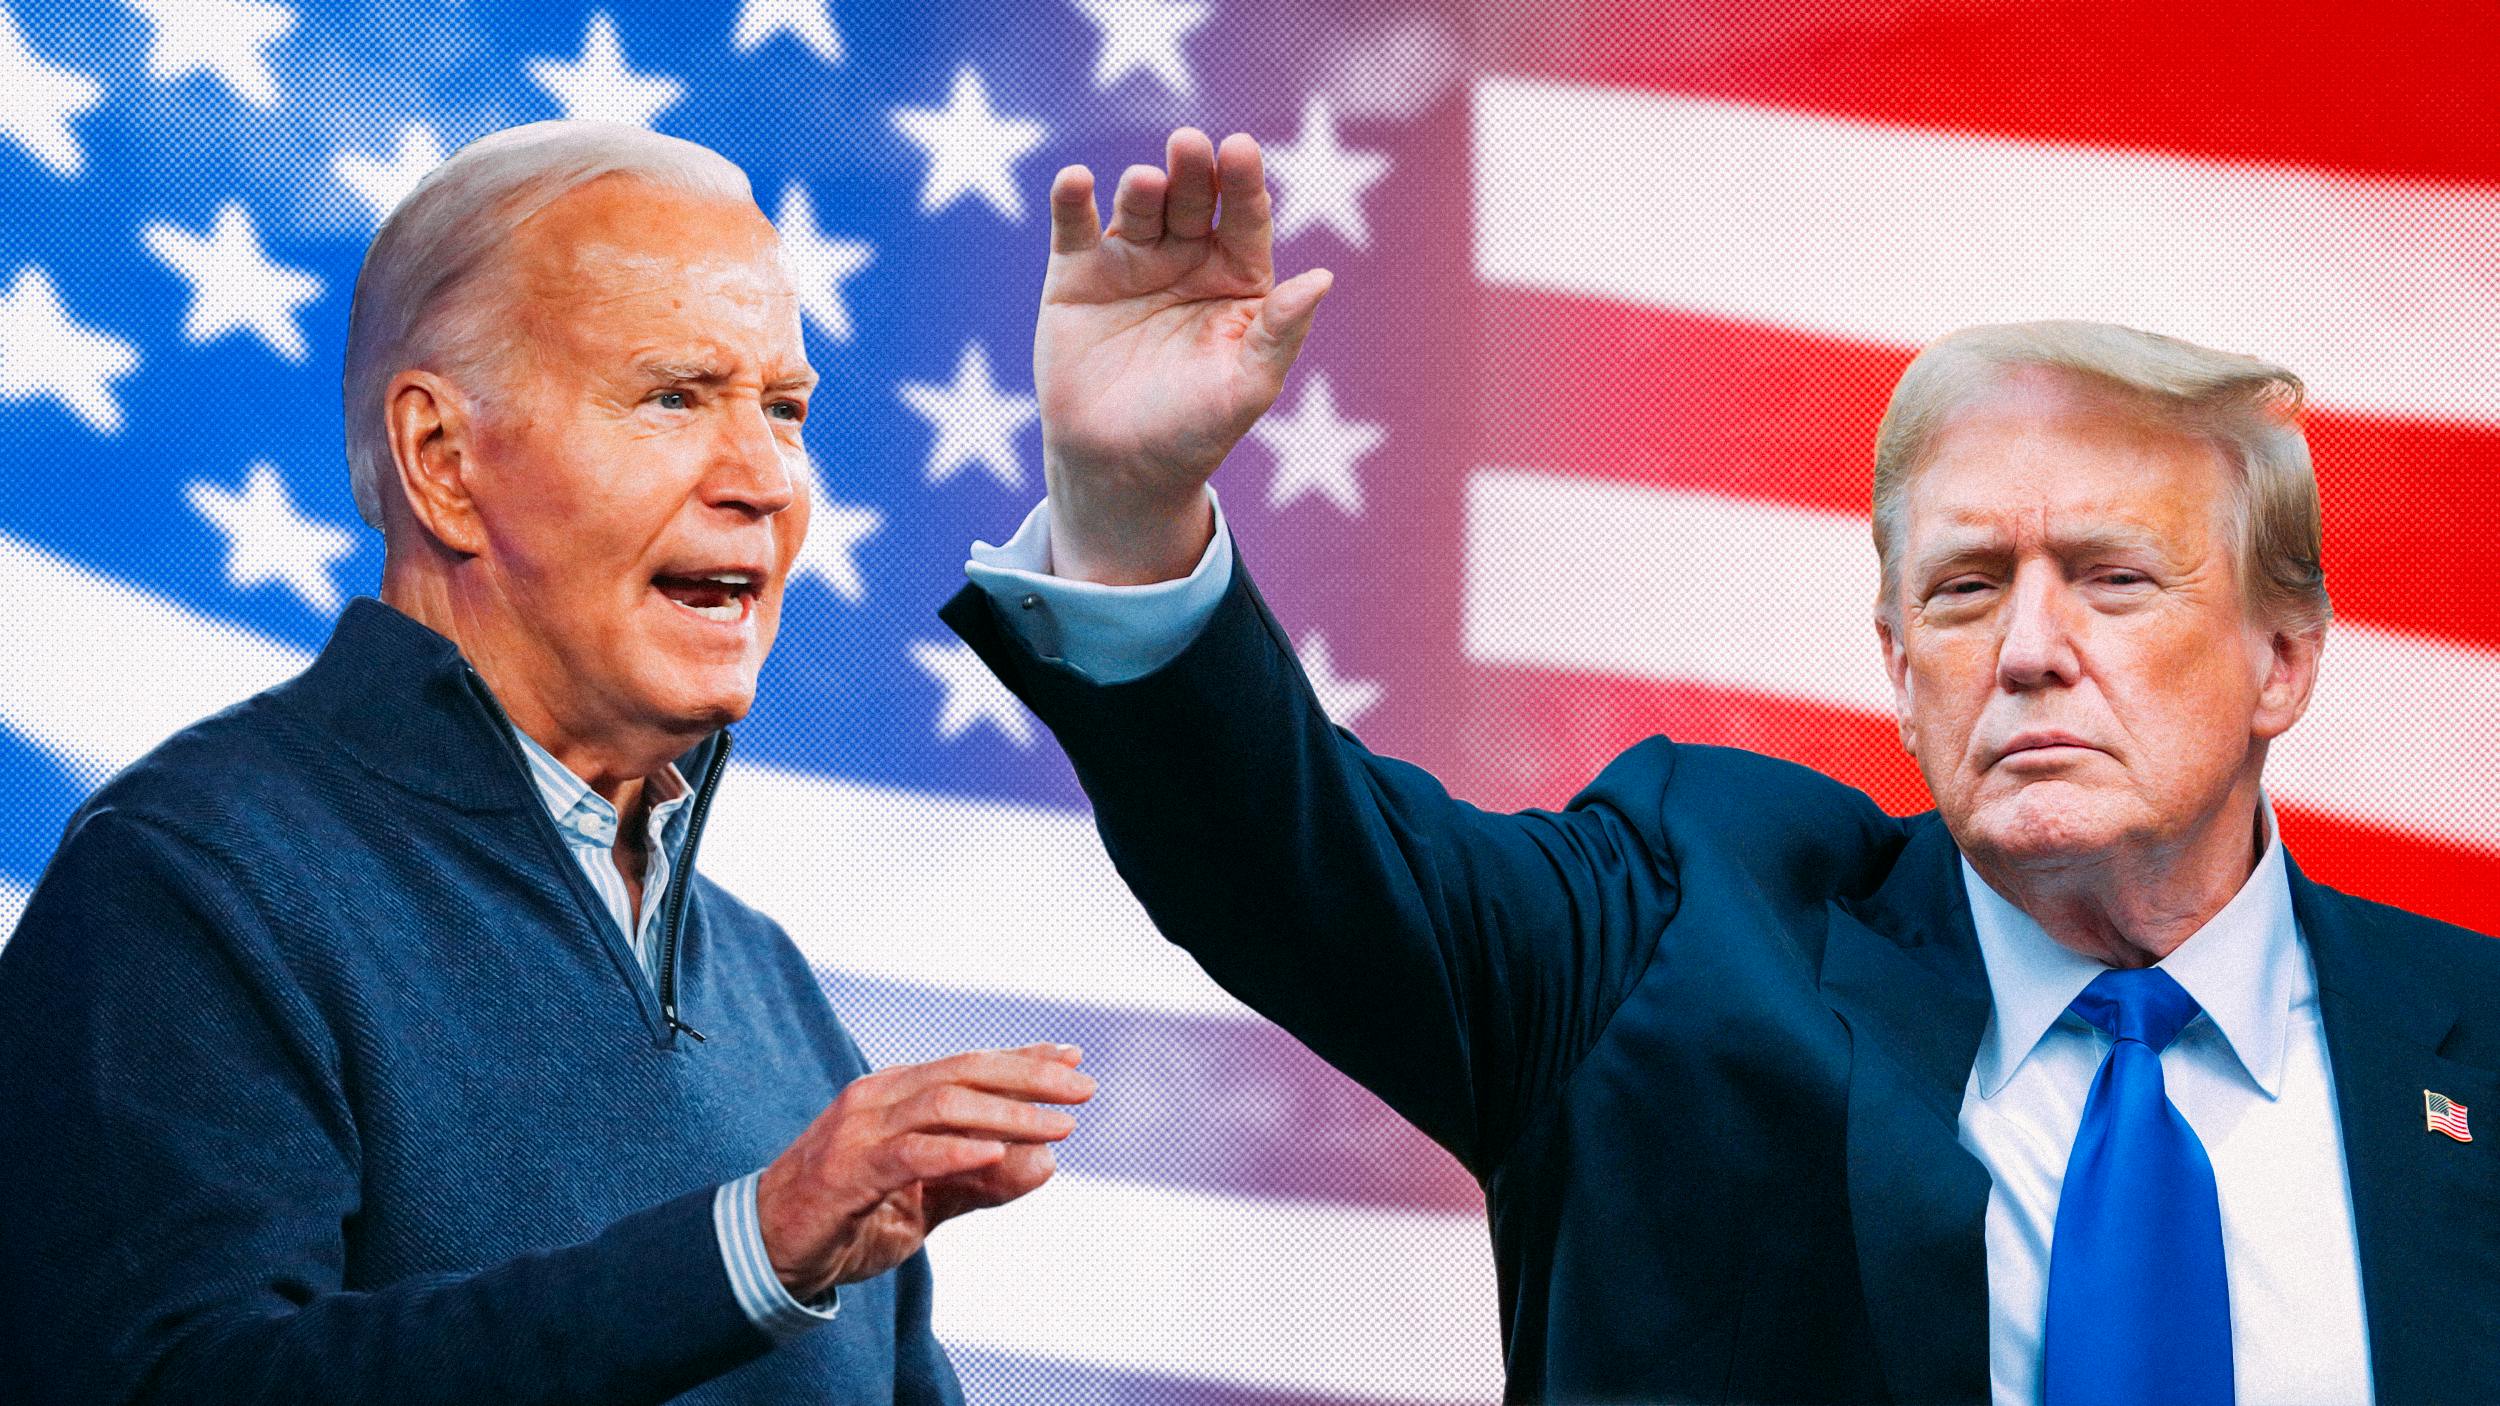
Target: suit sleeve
(181, 1162)
(1456, 962)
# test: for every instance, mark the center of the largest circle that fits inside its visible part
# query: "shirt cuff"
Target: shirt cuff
(760, 1292)
(1110, 634)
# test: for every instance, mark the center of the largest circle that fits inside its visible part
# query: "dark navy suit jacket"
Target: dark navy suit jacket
(1703, 1034)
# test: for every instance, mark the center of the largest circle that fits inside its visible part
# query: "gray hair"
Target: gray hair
(2247, 409)
(423, 296)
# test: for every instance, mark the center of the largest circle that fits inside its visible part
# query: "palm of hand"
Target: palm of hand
(1138, 358)
(1160, 341)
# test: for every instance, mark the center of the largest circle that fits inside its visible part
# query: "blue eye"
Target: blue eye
(790, 405)
(667, 396)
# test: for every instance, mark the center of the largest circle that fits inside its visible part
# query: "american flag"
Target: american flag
(2446, 1116)
(1579, 452)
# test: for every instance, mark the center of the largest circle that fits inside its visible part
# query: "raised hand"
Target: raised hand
(905, 1149)
(1160, 341)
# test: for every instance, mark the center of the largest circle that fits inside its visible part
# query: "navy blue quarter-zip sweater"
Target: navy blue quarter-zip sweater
(324, 1077)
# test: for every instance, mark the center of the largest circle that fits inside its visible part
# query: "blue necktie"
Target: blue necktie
(2139, 1308)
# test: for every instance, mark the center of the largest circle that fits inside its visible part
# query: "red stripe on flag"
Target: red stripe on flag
(2392, 91)
(1532, 738)
(1675, 400)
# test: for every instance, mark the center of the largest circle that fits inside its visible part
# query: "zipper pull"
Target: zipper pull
(670, 1015)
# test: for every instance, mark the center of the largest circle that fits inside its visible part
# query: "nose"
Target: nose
(2039, 646)
(752, 465)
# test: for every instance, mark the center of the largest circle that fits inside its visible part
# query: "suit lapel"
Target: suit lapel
(1903, 972)
(2421, 1202)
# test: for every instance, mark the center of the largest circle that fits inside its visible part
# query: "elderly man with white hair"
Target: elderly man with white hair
(2072, 1090)
(377, 1039)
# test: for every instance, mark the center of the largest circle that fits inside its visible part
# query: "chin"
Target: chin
(701, 699)
(2044, 821)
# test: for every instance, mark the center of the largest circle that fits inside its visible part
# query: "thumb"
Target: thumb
(1285, 318)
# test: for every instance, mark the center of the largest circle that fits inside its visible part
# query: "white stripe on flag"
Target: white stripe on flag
(1335, 1301)
(951, 892)
(98, 684)
(1608, 578)
(1568, 574)
(2376, 291)
(12, 903)
(938, 891)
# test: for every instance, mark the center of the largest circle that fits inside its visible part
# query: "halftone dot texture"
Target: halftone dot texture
(1578, 453)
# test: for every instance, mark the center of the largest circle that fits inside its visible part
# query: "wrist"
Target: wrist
(1125, 533)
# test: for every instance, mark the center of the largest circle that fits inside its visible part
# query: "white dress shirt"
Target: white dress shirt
(2250, 1075)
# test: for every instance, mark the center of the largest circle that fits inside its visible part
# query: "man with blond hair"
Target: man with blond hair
(377, 1039)
(2072, 1090)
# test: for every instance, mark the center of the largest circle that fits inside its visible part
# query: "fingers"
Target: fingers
(1029, 1074)
(1284, 319)
(932, 1157)
(1024, 1168)
(1074, 227)
(1137, 207)
(952, 1108)
(988, 1092)
(1245, 226)
(1189, 209)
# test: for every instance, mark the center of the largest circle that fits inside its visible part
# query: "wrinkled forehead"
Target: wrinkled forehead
(2053, 462)
(624, 248)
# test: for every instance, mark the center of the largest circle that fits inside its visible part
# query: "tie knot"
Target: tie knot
(2146, 1004)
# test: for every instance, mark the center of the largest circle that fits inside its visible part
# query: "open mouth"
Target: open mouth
(725, 596)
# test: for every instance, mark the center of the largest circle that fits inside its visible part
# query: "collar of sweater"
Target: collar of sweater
(400, 699)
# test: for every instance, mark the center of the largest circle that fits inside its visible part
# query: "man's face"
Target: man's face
(2073, 666)
(647, 444)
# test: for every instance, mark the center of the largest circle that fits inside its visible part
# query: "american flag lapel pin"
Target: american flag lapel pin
(2446, 1116)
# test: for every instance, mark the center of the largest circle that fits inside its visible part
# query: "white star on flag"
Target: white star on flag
(1320, 181)
(44, 351)
(383, 184)
(972, 148)
(818, 262)
(1345, 700)
(1144, 34)
(808, 21)
(223, 38)
(599, 87)
(973, 694)
(1315, 450)
(834, 531)
(976, 423)
(268, 540)
(235, 285)
(37, 101)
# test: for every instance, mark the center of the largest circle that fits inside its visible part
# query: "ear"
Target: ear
(433, 437)
(1897, 666)
(2289, 660)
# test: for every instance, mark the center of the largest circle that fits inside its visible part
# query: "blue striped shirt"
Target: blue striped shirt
(589, 825)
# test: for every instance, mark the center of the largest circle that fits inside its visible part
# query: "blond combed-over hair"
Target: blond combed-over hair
(2248, 409)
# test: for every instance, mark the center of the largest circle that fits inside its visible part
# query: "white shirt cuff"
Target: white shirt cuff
(768, 1304)
(1110, 634)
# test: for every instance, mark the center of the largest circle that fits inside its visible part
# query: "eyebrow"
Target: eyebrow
(705, 374)
(1973, 546)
